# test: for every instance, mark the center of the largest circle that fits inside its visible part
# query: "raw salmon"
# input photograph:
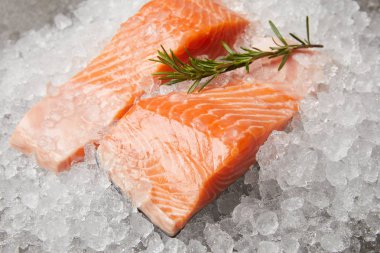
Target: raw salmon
(57, 128)
(174, 154)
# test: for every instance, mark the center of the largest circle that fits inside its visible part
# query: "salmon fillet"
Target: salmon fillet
(58, 127)
(174, 154)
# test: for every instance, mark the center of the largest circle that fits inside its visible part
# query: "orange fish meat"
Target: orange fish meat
(58, 127)
(174, 154)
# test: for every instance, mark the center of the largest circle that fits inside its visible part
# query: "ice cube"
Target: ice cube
(62, 21)
(174, 246)
(268, 247)
(294, 220)
(218, 240)
(141, 226)
(155, 244)
(292, 204)
(30, 200)
(318, 199)
(267, 223)
(336, 173)
(289, 245)
(332, 242)
(196, 247)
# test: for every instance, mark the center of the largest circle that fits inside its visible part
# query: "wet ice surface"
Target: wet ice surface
(318, 187)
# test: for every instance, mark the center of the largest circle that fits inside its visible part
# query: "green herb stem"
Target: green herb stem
(197, 70)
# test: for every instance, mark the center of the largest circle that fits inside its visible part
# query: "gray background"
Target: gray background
(17, 16)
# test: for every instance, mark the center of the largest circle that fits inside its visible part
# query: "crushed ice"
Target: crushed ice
(318, 186)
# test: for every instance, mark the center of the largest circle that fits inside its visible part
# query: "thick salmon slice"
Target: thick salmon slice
(174, 154)
(57, 128)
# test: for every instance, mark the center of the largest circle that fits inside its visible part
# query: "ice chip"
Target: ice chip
(174, 246)
(142, 226)
(292, 204)
(196, 247)
(218, 240)
(294, 220)
(267, 223)
(332, 242)
(95, 224)
(318, 199)
(30, 199)
(370, 131)
(268, 247)
(155, 244)
(289, 245)
(336, 173)
(62, 21)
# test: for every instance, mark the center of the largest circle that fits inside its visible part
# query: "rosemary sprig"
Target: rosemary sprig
(198, 69)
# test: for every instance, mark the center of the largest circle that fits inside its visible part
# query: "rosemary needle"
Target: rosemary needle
(203, 71)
